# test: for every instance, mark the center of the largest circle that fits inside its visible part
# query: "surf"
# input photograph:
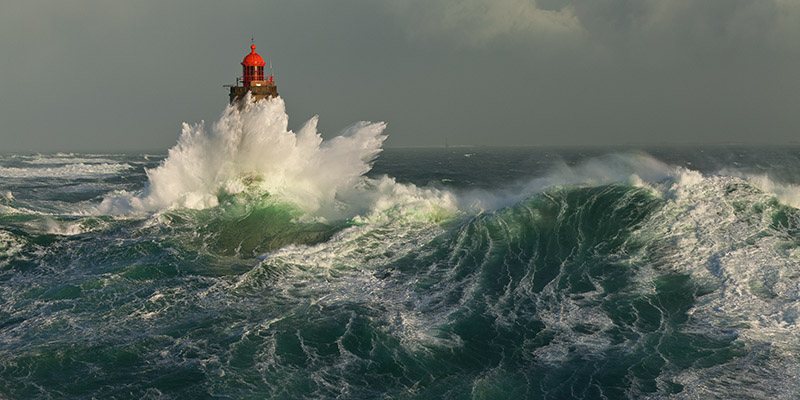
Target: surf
(250, 148)
(252, 257)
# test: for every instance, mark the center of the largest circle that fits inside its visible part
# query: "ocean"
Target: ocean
(254, 262)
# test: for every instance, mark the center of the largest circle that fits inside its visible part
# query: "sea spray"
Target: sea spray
(633, 168)
(248, 185)
(251, 149)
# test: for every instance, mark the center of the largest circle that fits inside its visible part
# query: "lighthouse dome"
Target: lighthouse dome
(253, 59)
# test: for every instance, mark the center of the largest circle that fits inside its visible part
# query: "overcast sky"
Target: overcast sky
(100, 75)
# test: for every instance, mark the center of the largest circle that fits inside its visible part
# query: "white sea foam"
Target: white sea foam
(787, 193)
(9, 246)
(66, 158)
(8, 205)
(79, 170)
(720, 231)
(635, 168)
(6, 198)
(66, 228)
(717, 228)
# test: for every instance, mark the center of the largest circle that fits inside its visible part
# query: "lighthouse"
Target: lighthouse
(253, 79)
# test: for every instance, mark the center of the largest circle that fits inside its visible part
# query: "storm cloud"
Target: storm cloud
(480, 23)
(96, 75)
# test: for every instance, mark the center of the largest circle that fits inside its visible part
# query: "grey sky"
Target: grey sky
(91, 75)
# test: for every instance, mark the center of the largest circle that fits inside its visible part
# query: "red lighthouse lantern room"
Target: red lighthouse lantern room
(253, 79)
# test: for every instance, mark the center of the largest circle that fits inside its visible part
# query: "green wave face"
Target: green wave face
(246, 226)
(571, 292)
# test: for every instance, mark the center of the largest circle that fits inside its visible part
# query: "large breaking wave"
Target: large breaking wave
(251, 151)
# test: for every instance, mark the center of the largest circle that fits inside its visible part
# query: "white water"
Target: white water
(76, 170)
(65, 158)
(250, 149)
(755, 279)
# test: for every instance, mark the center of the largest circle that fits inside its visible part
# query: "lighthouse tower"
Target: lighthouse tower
(253, 79)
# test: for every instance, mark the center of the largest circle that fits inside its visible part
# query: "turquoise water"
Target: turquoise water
(441, 273)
